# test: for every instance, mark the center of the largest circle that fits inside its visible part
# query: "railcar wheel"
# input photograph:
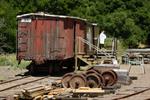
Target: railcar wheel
(97, 70)
(115, 75)
(91, 72)
(110, 77)
(102, 80)
(65, 80)
(93, 80)
(77, 81)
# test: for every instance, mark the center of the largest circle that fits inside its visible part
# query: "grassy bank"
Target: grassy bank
(10, 60)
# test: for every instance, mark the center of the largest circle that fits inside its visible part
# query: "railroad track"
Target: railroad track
(4, 86)
(7, 81)
(133, 94)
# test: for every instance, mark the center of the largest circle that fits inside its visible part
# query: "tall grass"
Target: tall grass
(10, 60)
(108, 43)
(121, 48)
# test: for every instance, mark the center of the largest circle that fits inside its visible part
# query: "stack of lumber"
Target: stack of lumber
(92, 92)
(53, 92)
(32, 92)
(47, 93)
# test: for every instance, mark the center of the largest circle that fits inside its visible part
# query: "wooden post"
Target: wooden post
(115, 47)
(78, 45)
(75, 48)
(76, 58)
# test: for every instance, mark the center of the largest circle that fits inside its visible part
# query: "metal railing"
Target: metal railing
(81, 41)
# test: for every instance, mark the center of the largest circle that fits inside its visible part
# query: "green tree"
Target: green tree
(7, 27)
(128, 20)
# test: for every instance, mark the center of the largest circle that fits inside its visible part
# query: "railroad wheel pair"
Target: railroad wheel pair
(72, 80)
(92, 79)
(110, 77)
(101, 77)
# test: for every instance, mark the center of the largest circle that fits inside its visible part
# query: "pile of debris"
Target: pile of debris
(94, 82)
(48, 93)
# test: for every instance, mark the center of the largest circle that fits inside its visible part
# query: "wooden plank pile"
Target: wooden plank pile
(88, 92)
(47, 93)
(32, 92)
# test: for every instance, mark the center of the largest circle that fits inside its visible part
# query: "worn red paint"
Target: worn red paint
(48, 37)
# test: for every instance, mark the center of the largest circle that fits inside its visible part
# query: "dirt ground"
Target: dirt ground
(8, 72)
(142, 81)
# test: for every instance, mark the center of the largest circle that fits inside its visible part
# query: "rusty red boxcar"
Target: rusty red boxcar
(44, 38)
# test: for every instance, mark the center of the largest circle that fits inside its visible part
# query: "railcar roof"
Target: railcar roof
(49, 15)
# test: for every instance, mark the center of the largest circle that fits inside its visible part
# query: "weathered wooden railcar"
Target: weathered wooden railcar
(50, 39)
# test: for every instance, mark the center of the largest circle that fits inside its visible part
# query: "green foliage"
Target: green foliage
(128, 20)
(7, 27)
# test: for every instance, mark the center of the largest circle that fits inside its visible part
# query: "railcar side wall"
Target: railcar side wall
(48, 38)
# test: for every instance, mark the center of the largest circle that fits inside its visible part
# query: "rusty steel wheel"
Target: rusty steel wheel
(116, 76)
(93, 80)
(110, 77)
(97, 70)
(91, 72)
(102, 80)
(65, 80)
(77, 80)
